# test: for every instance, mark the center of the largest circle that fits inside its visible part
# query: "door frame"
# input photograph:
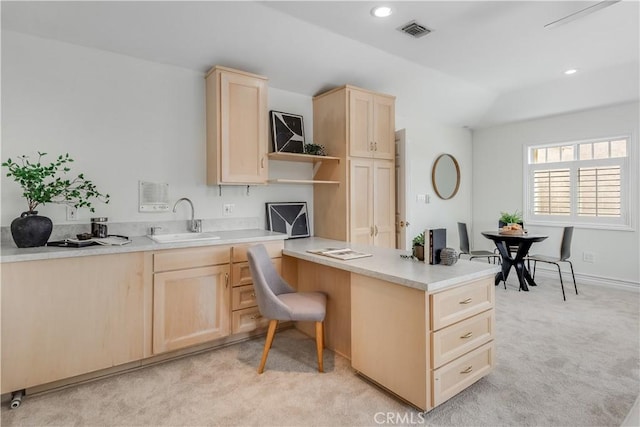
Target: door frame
(402, 183)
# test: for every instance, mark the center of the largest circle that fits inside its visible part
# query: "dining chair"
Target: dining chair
(277, 300)
(464, 246)
(565, 253)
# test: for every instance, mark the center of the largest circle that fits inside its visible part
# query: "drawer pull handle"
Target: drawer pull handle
(467, 335)
(467, 301)
(255, 316)
(467, 370)
(253, 295)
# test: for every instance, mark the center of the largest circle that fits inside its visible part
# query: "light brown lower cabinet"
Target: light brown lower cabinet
(191, 291)
(66, 317)
(190, 307)
(71, 319)
(245, 316)
(424, 347)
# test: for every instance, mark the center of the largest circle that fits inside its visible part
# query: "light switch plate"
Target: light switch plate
(72, 213)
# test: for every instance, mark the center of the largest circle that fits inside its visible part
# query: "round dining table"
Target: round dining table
(523, 242)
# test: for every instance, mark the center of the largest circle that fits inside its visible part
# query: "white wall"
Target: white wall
(498, 186)
(123, 120)
(425, 141)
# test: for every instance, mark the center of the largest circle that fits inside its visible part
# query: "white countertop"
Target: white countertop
(386, 264)
(138, 243)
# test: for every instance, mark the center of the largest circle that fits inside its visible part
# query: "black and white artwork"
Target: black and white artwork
(290, 218)
(287, 132)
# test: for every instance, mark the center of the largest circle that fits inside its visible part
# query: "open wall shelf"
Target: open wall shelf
(317, 161)
(295, 157)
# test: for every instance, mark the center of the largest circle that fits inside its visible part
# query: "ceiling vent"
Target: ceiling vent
(414, 29)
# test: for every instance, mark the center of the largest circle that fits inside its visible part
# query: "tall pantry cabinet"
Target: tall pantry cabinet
(358, 126)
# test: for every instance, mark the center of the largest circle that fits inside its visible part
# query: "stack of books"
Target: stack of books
(437, 242)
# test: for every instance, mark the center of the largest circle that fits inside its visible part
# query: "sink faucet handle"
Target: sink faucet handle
(154, 230)
(196, 225)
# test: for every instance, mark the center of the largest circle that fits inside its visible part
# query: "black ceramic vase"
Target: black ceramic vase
(31, 230)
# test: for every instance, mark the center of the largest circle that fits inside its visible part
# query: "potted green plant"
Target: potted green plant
(314, 149)
(507, 218)
(42, 184)
(418, 246)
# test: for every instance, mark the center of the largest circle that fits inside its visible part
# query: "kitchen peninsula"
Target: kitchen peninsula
(424, 332)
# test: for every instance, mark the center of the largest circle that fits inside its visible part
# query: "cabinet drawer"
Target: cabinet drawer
(243, 297)
(456, 340)
(247, 320)
(461, 373)
(459, 303)
(274, 249)
(189, 258)
(241, 275)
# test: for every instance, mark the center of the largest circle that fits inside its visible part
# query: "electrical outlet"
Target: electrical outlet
(72, 213)
(589, 257)
(227, 209)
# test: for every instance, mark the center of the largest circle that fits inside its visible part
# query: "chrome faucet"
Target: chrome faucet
(195, 226)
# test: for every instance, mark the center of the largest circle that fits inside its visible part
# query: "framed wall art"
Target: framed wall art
(287, 132)
(289, 217)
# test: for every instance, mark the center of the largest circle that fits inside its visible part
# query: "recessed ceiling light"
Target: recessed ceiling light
(571, 71)
(381, 11)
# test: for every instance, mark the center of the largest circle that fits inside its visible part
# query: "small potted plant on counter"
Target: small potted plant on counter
(418, 246)
(42, 184)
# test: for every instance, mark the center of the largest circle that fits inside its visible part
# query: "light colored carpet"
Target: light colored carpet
(573, 363)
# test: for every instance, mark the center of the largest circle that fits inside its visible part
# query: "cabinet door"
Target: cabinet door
(384, 127)
(361, 203)
(67, 317)
(360, 125)
(389, 337)
(190, 307)
(243, 129)
(384, 207)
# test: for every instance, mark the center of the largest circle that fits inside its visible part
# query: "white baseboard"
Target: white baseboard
(589, 279)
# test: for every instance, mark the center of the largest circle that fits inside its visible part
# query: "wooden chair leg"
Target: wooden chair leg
(267, 345)
(320, 343)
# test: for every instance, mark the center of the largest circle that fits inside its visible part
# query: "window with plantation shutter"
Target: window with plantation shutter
(579, 183)
(552, 192)
(599, 191)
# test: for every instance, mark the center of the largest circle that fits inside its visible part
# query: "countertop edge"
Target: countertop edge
(138, 244)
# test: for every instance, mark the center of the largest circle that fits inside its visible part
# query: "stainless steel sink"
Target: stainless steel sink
(182, 237)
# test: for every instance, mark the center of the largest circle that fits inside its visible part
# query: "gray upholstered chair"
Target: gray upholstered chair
(464, 246)
(565, 253)
(279, 301)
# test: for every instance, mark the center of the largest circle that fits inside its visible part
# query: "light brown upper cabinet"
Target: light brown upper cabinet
(371, 124)
(357, 126)
(237, 127)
